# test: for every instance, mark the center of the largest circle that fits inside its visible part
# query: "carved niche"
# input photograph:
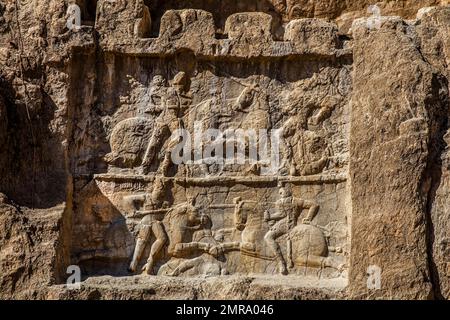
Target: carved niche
(208, 216)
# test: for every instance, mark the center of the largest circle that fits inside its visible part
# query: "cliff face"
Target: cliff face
(352, 205)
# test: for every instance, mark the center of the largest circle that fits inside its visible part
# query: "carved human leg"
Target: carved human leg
(142, 239)
(161, 133)
(165, 163)
(279, 229)
(161, 239)
(158, 193)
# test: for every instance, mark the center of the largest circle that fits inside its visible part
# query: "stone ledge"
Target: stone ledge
(314, 179)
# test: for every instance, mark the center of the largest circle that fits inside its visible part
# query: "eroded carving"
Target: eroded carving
(306, 244)
(174, 104)
(174, 228)
(249, 26)
(131, 18)
(287, 220)
(128, 140)
(73, 16)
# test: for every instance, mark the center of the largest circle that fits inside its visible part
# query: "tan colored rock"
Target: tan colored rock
(352, 204)
(434, 33)
(398, 103)
(248, 26)
(228, 288)
(191, 24)
(307, 34)
(29, 251)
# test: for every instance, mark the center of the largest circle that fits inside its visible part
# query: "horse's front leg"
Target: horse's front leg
(183, 249)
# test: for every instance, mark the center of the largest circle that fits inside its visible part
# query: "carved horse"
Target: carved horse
(173, 232)
(307, 244)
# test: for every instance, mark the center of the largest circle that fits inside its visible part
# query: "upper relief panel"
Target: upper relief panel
(304, 103)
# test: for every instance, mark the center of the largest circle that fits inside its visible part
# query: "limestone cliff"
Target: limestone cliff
(355, 205)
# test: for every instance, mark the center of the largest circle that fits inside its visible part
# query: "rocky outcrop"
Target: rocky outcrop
(29, 254)
(399, 106)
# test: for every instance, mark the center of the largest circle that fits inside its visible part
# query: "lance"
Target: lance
(229, 206)
(142, 214)
(236, 80)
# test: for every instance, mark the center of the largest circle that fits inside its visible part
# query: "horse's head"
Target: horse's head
(186, 214)
(195, 218)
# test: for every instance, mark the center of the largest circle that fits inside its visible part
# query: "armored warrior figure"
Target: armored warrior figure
(173, 229)
(174, 104)
(285, 219)
(157, 91)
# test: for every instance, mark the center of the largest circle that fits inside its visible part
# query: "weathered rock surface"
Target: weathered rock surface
(223, 288)
(402, 118)
(30, 252)
(360, 98)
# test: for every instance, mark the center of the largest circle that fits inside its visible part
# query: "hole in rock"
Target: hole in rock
(88, 11)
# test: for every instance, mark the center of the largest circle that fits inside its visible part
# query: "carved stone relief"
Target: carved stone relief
(217, 218)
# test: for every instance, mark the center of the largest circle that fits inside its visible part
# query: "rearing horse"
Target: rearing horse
(174, 231)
